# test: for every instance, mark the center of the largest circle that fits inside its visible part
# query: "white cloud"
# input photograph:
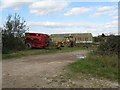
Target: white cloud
(47, 7)
(60, 24)
(114, 0)
(16, 4)
(70, 27)
(116, 17)
(53, 24)
(105, 10)
(78, 11)
(72, 24)
(113, 23)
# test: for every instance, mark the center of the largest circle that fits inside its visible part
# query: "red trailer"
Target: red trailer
(37, 40)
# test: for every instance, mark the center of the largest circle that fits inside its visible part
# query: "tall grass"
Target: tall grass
(105, 60)
(97, 65)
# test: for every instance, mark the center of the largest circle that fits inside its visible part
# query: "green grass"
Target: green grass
(97, 66)
(19, 54)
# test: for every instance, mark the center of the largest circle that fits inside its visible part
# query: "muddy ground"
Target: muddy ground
(47, 71)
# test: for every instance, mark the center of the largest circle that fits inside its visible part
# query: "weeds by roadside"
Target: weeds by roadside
(98, 66)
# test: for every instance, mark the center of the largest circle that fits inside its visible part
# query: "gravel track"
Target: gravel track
(38, 71)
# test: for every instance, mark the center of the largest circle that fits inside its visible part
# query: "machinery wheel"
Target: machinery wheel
(28, 46)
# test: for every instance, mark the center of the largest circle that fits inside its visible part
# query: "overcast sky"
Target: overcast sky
(60, 16)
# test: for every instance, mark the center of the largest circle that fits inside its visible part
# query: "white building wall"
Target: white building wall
(84, 41)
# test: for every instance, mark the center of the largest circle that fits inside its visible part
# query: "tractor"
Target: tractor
(68, 41)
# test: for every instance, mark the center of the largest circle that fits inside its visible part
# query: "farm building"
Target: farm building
(80, 37)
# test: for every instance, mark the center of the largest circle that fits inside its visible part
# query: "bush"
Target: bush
(110, 45)
(11, 44)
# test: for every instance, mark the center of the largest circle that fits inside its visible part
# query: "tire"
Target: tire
(28, 46)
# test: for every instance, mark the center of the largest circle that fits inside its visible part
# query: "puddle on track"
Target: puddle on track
(81, 56)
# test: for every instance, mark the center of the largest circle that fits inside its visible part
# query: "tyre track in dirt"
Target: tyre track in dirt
(30, 71)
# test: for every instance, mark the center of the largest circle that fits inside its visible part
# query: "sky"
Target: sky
(64, 16)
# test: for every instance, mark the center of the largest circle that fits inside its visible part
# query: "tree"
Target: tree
(15, 26)
(12, 33)
(103, 35)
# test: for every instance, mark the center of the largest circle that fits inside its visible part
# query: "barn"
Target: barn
(80, 37)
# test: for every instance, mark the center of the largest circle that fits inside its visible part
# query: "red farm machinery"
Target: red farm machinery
(37, 40)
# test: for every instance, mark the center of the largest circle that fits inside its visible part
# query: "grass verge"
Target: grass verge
(19, 54)
(97, 66)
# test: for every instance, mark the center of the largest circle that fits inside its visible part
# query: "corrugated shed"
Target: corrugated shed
(80, 37)
(78, 34)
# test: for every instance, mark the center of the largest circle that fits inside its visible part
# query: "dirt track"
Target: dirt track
(36, 71)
